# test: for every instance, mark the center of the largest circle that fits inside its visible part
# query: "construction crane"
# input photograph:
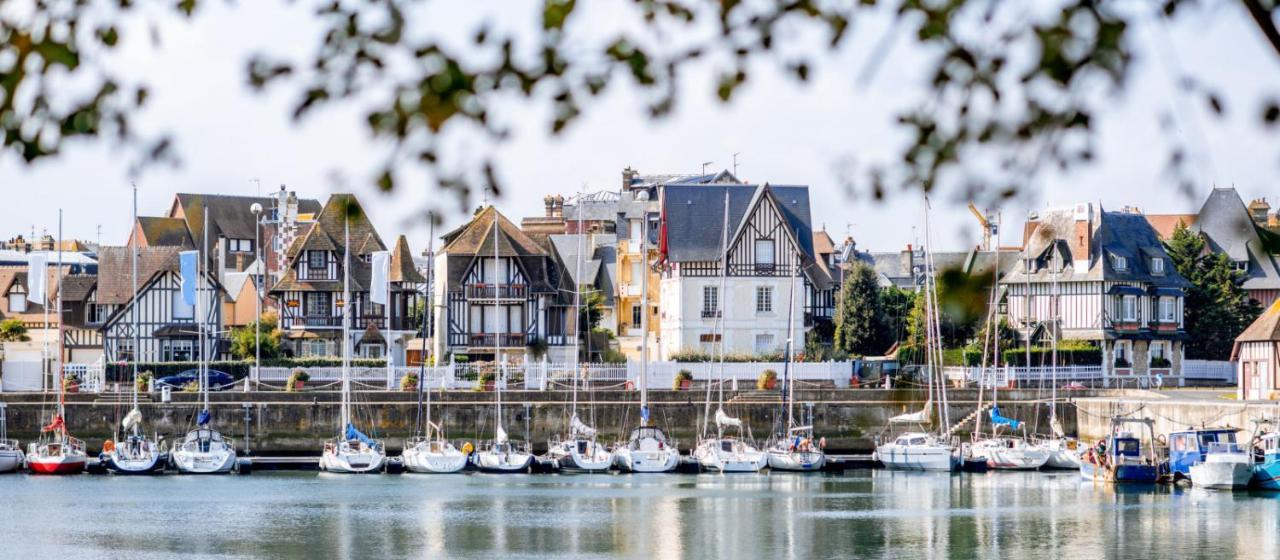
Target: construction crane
(989, 226)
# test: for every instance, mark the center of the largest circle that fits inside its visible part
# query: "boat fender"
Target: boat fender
(394, 466)
(468, 449)
(822, 442)
(108, 446)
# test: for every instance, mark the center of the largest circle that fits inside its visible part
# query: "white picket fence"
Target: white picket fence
(1194, 370)
(1209, 370)
(29, 376)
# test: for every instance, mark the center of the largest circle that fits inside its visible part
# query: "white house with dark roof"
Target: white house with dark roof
(770, 245)
(166, 325)
(1104, 277)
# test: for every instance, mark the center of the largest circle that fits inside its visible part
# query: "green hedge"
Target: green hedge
(1068, 355)
(238, 369)
(699, 356)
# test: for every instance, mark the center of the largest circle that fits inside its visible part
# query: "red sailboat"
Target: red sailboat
(57, 452)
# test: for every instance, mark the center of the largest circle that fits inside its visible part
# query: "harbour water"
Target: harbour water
(861, 513)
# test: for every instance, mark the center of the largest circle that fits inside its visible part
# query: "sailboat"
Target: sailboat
(351, 451)
(132, 452)
(725, 453)
(579, 451)
(428, 451)
(57, 452)
(203, 450)
(11, 456)
(501, 455)
(647, 449)
(1064, 452)
(925, 450)
(795, 448)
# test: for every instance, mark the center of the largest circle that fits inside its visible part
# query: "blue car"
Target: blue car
(217, 380)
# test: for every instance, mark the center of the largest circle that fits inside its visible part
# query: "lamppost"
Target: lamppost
(258, 282)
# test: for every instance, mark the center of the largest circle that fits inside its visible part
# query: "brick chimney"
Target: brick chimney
(906, 260)
(1081, 241)
(627, 175)
(549, 204)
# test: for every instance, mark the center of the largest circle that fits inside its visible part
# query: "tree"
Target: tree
(1216, 308)
(895, 308)
(266, 330)
(12, 330)
(857, 317)
(1028, 82)
(592, 309)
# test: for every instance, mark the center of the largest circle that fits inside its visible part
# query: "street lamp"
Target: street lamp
(256, 210)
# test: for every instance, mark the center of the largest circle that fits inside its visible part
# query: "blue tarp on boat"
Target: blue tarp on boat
(203, 418)
(997, 419)
(353, 433)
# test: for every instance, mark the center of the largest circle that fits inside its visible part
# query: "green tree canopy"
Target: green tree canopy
(12, 330)
(858, 317)
(266, 329)
(1216, 308)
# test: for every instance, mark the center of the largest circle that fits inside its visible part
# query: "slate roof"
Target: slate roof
(663, 179)
(158, 232)
(599, 261)
(115, 270)
(341, 218)
(1114, 233)
(1227, 228)
(77, 287)
(229, 215)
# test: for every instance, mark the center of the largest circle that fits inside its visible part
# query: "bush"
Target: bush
(690, 355)
(1158, 362)
(1122, 363)
(1069, 354)
(121, 371)
(488, 374)
(768, 378)
(682, 376)
(143, 382)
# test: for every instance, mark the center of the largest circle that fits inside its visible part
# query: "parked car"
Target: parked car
(217, 380)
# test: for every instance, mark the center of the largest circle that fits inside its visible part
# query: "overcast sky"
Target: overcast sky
(227, 136)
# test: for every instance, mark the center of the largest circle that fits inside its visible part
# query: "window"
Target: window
(315, 348)
(181, 309)
(636, 234)
(764, 343)
(764, 254)
(17, 303)
(1157, 265)
(317, 304)
(124, 350)
(708, 338)
(636, 317)
(710, 301)
(764, 299)
(637, 270)
(95, 313)
(1157, 349)
(1119, 262)
(1167, 310)
(1129, 308)
(371, 351)
(316, 260)
(240, 245)
(178, 351)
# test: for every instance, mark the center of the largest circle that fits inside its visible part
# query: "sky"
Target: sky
(235, 141)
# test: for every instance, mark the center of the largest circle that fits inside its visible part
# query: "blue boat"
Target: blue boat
(1189, 447)
(1122, 457)
(1266, 475)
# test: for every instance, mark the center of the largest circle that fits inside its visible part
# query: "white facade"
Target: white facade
(754, 312)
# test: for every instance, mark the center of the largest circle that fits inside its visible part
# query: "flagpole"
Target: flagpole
(62, 405)
(386, 307)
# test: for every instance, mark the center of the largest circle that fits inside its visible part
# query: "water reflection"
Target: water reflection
(870, 514)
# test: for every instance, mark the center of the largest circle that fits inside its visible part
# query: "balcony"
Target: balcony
(493, 340)
(497, 291)
(360, 323)
(710, 313)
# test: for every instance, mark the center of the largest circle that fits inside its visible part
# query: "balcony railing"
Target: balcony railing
(379, 322)
(710, 313)
(493, 340)
(497, 291)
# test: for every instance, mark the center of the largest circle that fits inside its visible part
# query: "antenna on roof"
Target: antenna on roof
(257, 182)
(704, 166)
(735, 163)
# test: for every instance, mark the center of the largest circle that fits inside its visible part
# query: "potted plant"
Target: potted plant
(297, 380)
(487, 378)
(409, 382)
(684, 380)
(767, 381)
(71, 384)
(1159, 362)
(143, 382)
(192, 387)
(1122, 363)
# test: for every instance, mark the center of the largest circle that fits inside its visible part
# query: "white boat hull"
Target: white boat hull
(498, 462)
(132, 465)
(574, 457)
(636, 461)
(1222, 475)
(712, 457)
(218, 461)
(1061, 454)
(917, 458)
(352, 463)
(11, 460)
(797, 461)
(445, 459)
(1011, 454)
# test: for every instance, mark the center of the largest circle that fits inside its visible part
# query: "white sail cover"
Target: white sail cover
(921, 417)
(1056, 426)
(723, 419)
(500, 436)
(133, 418)
(581, 429)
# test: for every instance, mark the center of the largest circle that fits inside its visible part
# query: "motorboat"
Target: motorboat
(647, 450)
(1226, 466)
(1123, 457)
(917, 451)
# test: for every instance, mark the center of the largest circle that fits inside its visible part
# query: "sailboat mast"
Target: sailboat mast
(427, 308)
(497, 334)
(201, 338)
(577, 310)
(788, 384)
(133, 309)
(1053, 336)
(346, 324)
(719, 322)
(62, 405)
(643, 244)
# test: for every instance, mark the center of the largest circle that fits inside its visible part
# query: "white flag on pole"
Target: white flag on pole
(379, 291)
(37, 278)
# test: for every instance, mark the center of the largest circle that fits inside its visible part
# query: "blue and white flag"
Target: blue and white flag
(187, 264)
(37, 278)
(380, 285)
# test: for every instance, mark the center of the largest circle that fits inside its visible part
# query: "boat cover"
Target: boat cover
(998, 420)
(500, 435)
(353, 433)
(644, 416)
(55, 425)
(204, 418)
(723, 419)
(133, 418)
(921, 417)
(581, 429)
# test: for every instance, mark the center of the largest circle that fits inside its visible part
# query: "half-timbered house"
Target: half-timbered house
(770, 245)
(1104, 277)
(495, 294)
(310, 293)
(167, 329)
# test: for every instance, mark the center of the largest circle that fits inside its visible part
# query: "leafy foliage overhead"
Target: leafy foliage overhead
(1016, 83)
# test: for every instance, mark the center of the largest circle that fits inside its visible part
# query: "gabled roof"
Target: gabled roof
(115, 270)
(229, 215)
(693, 216)
(164, 232)
(341, 218)
(476, 237)
(77, 287)
(1265, 328)
(1228, 228)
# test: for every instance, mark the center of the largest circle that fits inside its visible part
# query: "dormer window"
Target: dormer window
(1119, 263)
(1029, 265)
(316, 260)
(17, 302)
(1157, 265)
